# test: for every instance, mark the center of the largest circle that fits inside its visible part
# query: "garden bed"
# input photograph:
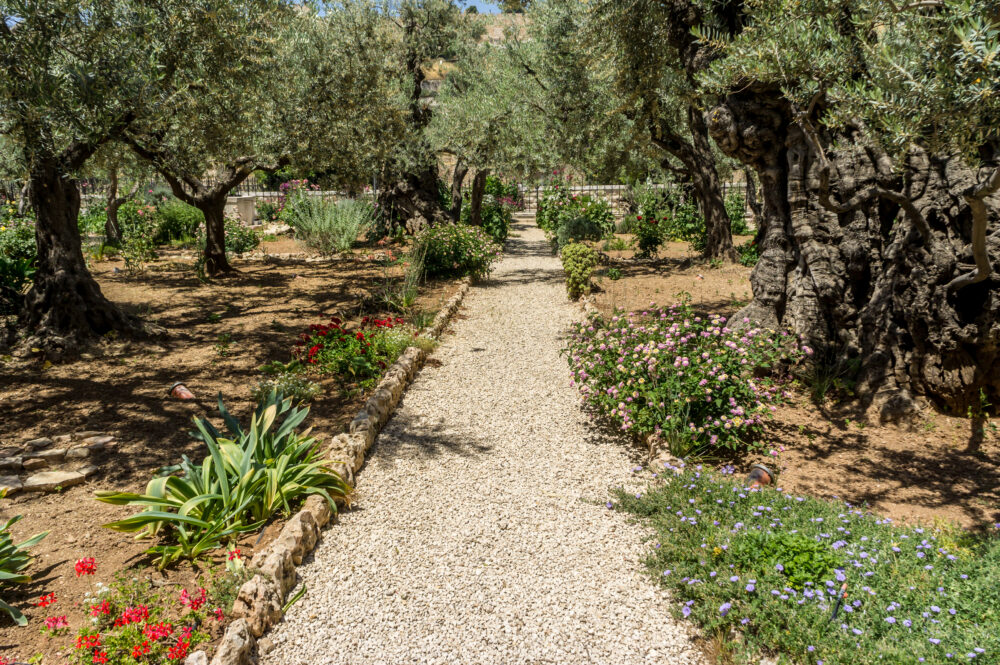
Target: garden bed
(218, 334)
(938, 467)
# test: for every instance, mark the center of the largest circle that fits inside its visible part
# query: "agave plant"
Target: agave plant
(244, 480)
(14, 560)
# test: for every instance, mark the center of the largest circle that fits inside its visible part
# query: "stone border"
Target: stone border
(260, 600)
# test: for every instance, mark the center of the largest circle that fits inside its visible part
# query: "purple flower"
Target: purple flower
(751, 588)
(779, 567)
(810, 648)
(744, 621)
(724, 608)
(890, 619)
(934, 640)
(686, 611)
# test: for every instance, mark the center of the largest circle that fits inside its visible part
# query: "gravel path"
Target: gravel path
(479, 535)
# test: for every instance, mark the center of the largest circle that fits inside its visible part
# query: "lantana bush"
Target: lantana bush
(454, 250)
(700, 385)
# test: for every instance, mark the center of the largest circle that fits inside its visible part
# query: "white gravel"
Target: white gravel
(479, 534)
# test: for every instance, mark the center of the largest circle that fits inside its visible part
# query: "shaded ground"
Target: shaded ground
(218, 335)
(939, 467)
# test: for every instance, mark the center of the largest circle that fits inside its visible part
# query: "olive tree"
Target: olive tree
(304, 86)
(656, 60)
(873, 129)
(74, 76)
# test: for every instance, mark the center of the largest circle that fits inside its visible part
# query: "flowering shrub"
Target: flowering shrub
(360, 355)
(457, 249)
(177, 220)
(578, 263)
(138, 225)
(648, 234)
(689, 379)
(774, 568)
(132, 622)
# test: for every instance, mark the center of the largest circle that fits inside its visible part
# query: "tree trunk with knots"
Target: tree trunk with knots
(457, 179)
(865, 282)
(65, 307)
(412, 201)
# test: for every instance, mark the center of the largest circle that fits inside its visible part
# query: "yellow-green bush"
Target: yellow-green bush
(579, 262)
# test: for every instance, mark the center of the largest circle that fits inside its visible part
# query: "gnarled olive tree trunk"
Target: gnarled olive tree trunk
(864, 281)
(65, 305)
(411, 201)
(457, 179)
(476, 197)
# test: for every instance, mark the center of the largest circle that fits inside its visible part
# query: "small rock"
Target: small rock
(264, 644)
(78, 453)
(236, 646)
(36, 444)
(63, 438)
(11, 463)
(35, 463)
(88, 471)
(10, 484)
(53, 455)
(101, 441)
(47, 481)
(86, 435)
(70, 539)
(197, 658)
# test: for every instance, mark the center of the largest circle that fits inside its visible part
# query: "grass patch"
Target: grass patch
(761, 572)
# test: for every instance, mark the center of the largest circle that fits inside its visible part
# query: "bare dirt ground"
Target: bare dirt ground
(937, 467)
(217, 336)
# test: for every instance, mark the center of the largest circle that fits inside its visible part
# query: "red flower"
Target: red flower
(179, 651)
(103, 608)
(132, 615)
(234, 554)
(56, 623)
(194, 602)
(217, 612)
(155, 631)
(639, 217)
(86, 566)
(88, 641)
(46, 600)
(360, 335)
(140, 650)
(100, 657)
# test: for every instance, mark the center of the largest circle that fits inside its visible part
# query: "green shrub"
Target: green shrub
(288, 379)
(245, 479)
(93, 221)
(614, 274)
(17, 238)
(15, 278)
(176, 220)
(329, 226)
(457, 250)
(239, 238)
(268, 212)
(578, 262)
(736, 209)
(749, 253)
(770, 566)
(137, 223)
(708, 389)
(648, 234)
(14, 560)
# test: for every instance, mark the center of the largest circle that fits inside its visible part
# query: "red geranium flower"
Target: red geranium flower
(86, 566)
(46, 600)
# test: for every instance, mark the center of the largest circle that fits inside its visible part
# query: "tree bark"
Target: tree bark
(65, 306)
(696, 156)
(412, 201)
(461, 170)
(476, 197)
(866, 283)
(214, 255)
(112, 231)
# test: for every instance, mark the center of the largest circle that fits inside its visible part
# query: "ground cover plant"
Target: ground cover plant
(817, 581)
(699, 385)
(454, 250)
(14, 561)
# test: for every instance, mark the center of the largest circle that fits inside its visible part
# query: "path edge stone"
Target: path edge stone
(259, 603)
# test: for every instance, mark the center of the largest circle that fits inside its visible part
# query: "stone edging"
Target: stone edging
(260, 600)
